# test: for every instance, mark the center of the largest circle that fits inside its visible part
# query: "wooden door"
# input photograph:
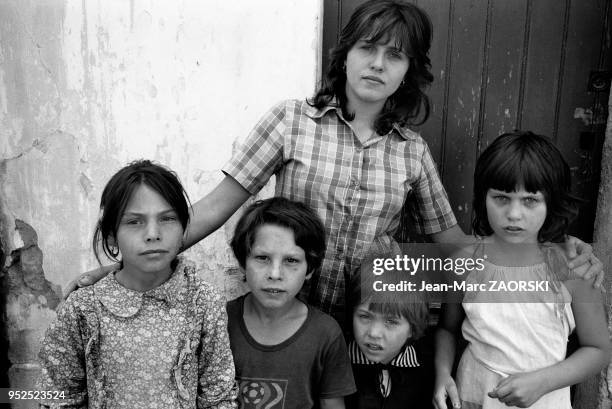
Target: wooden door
(501, 65)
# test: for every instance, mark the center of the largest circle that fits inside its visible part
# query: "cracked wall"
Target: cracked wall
(87, 86)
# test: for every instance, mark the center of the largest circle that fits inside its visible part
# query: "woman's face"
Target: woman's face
(374, 71)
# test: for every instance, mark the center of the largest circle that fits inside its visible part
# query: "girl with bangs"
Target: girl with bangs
(517, 339)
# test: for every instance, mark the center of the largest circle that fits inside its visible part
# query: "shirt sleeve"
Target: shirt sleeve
(434, 212)
(62, 359)
(216, 386)
(337, 375)
(261, 154)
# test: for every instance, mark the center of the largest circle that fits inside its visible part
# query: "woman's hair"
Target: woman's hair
(524, 159)
(381, 21)
(118, 192)
(412, 305)
(307, 228)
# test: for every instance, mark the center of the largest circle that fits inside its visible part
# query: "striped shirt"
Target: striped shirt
(358, 189)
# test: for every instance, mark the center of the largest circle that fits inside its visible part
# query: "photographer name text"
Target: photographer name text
(490, 286)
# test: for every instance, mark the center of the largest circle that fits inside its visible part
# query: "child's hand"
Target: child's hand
(445, 387)
(520, 390)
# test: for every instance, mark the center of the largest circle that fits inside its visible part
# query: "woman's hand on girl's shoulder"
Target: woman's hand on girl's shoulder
(444, 388)
(88, 278)
(582, 261)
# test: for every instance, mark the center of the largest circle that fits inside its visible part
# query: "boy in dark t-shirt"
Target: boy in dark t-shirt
(287, 354)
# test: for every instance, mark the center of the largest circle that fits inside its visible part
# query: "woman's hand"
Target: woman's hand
(520, 390)
(445, 387)
(582, 260)
(88, 278)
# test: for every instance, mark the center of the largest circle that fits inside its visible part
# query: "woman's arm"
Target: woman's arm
(210, 212)
(451, 317)
(523, 390)
(580, 254)
(453, 235)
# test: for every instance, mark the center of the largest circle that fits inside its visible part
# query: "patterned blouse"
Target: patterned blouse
(118, 348)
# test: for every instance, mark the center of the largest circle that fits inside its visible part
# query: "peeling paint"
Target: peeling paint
(86, 184)
(31, 299)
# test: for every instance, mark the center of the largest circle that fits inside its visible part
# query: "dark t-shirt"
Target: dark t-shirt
(312, 364)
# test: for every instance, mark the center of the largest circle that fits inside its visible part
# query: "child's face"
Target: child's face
(379, 337)
(149, 234)
(516, 217)
(276, 267)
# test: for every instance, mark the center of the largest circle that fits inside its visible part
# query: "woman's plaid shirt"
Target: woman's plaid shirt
(357, 189)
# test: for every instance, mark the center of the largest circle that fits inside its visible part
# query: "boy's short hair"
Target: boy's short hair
(307, 227)
(412, 305)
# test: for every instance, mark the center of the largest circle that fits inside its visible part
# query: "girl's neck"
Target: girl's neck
(503, 253)
(273, 326)
(269, 315)
(140, 281)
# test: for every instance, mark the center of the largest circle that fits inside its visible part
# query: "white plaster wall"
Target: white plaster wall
(86, 86)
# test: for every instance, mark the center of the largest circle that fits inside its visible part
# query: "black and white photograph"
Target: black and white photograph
(306, 204)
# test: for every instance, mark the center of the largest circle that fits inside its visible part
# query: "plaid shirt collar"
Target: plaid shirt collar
(316, 113)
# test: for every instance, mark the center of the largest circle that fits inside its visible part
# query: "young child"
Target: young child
(392, 367)
(287, 354)
(517, 340)
(151, 334)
